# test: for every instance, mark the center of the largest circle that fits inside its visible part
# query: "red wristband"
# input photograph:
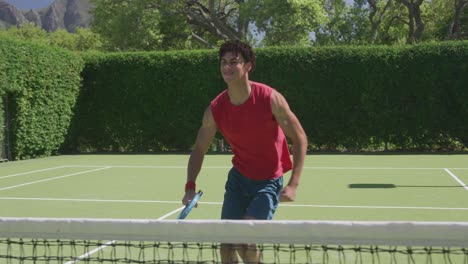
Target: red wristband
(190, 185)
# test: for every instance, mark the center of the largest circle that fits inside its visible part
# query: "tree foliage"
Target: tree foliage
(143, 24)
(127, 25)
(81, 40)
(341, 24)
(394, 22)
(288, 22)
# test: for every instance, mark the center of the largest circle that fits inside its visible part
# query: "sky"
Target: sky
(29, 4)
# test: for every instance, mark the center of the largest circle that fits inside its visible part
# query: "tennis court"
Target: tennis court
(333, 187)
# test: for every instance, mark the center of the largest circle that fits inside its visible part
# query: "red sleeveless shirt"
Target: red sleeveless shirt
(257, 141)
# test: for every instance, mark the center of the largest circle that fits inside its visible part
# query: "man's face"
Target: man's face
(233, 67)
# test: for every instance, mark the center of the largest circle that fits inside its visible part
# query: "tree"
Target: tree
(288, 22)
(26, 31)
(127, 25)
(415, 23)
(340, 27)
(280, 22)
(81, 40)
(165, 24)
(162, 24)
(358, 24)
(445, 19)
(216, 17)
(455, 29)
(437, 15)
(377, 12)
(358, 19)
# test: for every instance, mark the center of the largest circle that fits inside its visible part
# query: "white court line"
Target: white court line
(375, 207)
(108, 243)
(29, 172)
(87, 254)
(457, 179)
(55, 178)
(220, 203)
(144, 167)
(88, 200)
(51, 179)
(171, 213)
(228, 167)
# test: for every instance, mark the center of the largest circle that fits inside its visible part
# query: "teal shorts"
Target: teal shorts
(245, 197)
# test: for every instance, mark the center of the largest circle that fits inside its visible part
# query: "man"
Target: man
(255, 120)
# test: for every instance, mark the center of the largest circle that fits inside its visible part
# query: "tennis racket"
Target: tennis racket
(190, 205)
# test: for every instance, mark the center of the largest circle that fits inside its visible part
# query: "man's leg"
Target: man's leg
(262, 207)
(249, 252)
(248, 199)
(228, 254)
(234, 206)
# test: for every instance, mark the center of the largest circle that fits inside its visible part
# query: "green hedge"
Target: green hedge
(143, 101)
(41, 85)
(3, 150)
(360, 98)
(355, 98)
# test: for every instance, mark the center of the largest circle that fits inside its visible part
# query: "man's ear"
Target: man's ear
(249, 66)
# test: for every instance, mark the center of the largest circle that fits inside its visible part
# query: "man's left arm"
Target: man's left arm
(292, 128)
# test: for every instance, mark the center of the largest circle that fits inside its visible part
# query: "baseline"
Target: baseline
(51, 179)
(30, 172)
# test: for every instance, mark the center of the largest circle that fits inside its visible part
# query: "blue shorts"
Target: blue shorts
(245, 197)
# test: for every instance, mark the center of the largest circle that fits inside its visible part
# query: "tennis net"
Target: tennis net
(42, 240)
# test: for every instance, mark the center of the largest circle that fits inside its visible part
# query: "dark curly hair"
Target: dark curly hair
(236, 47)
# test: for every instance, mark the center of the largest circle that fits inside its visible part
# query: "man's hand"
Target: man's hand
(189, 194)
(288, 194)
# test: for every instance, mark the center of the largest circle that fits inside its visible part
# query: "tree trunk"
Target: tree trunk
(415, 23)
(375, 20)
(454, 31)
(211, 18)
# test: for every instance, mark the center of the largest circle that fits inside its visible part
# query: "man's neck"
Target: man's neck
(239, 92)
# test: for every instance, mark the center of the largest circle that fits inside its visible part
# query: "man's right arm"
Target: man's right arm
(205, 136)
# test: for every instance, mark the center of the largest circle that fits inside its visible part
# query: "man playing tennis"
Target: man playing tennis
(255, 120)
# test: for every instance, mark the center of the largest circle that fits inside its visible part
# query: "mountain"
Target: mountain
(10, 14)
(61, 14)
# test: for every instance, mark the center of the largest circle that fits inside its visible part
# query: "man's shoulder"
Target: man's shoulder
(218, 99)
(262, 88)
(260, 85)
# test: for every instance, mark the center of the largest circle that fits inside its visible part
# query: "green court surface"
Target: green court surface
(333, 187)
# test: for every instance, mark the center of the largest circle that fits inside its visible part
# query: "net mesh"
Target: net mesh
(145, 241)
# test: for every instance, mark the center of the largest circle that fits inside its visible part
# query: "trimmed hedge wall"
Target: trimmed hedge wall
(353, 98)
(410, 97)
(3, 150)
(143, 101)
(41, 85)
